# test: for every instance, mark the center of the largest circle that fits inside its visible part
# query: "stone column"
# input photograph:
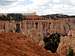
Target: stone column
(20, 26)
(34, 25)
(25, 26)
(46, 27)
(7, 26)
(13, 26)
(40, 26)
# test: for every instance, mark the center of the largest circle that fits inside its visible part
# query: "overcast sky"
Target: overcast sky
(41, 7)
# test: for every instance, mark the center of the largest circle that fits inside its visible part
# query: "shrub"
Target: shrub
(52, 42)
(70, 52)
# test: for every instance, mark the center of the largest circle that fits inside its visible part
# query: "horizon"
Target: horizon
(35, 14)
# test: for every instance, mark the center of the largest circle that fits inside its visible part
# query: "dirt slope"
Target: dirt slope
(16, 44)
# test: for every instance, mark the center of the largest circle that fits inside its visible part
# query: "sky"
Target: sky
(41, 7)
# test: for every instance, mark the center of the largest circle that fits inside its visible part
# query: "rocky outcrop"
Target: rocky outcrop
(41, 23)
(65, 43)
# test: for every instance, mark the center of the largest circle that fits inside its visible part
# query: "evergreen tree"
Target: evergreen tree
(52, 42)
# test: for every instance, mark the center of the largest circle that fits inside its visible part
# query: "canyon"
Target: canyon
(31, 29)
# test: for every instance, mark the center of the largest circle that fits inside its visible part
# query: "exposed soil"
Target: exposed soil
(16, 44)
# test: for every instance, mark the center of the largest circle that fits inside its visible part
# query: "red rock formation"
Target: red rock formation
(65, 43)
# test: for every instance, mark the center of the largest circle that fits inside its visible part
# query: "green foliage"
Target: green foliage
(70, 52)
(15, 16)
(52, 42)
